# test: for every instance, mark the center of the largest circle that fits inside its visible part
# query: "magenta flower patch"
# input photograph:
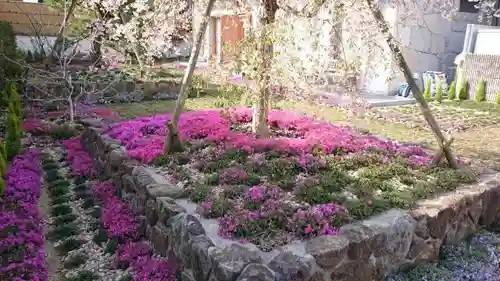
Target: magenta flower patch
(21, 232)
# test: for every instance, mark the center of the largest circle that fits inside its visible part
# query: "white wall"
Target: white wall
(431, 43)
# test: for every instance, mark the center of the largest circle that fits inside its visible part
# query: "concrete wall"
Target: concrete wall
(429, 43)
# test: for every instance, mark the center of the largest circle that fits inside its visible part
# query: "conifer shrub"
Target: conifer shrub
(439, 91)
(427, 90)
(452, 91)
(480, 91)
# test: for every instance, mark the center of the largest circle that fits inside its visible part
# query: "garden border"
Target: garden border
(363, 250)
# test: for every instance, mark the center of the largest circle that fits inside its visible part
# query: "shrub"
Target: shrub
(3, 165)
(427, 90)
(480, 91)
(2, 186)
(439, 91)
(498, 98)
(452, 91)
(8, 49)
(463, 92)
(3, 150)
(13, 140)
(14, 99)
(231, 95)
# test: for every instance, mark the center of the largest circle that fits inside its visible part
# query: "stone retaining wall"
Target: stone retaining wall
(362, 251)
(111, 91)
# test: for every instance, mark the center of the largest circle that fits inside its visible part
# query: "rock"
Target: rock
(290, 267)
(152, 211)
(183, 227)
(200, 260)
(256, 272)
(168, 208)
(228, 262)
(424, 250)
(328, 250)
(165, 96)
(158, 236)
(91, 122)
(136, 95)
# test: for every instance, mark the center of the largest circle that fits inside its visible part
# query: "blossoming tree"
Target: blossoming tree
(365, 24)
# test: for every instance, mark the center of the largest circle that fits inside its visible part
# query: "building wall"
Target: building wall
(429, 44)
(30, 19)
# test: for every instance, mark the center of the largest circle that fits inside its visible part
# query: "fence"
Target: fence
(30, 18)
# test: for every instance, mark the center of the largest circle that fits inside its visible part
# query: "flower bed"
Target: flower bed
(21, 228)
(308, 179)
(118, 230)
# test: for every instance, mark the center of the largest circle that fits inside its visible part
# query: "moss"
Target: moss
(62, 199)
(63, 231)
(84, 275)
(64, 219)
(70, 244)
(61, 209)
(100, 237)
(75, 261)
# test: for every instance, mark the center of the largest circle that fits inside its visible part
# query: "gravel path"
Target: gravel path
(52, 257)
(476, 259)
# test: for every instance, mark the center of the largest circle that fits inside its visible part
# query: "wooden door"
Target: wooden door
(232, 31)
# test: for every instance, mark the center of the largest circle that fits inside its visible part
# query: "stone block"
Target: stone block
(257, 272)
(183, 227)
(152, 211)
(328, 251)
(168, 208)
(289, 266)
(228, 262)
(200, 260)
(159, 237)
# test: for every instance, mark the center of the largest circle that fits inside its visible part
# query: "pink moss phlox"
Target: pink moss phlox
(233, 175)
(144, 137)
(35, 125)
(116, 216)
(21, 231)
(81, 162)
(120, 222)
(266, 204)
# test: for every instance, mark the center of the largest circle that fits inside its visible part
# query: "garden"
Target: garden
(267, 176)
(308, 179)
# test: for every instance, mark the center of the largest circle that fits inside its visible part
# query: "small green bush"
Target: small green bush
(3, 165)
(2, 186)
(480, 91)
(75, 261)
(63, 231)
(439, 91)
(232, 95)
(463, 93)
(452, 91)
(8, 47)
(13, 140)
(427, 90)
(3, 150)
(498, 98)
(14, 99)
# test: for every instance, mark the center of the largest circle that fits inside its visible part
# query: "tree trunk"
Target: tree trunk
(96, 52)
(266, 17)
(398, 56)
(60, 34)
(172, 137)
